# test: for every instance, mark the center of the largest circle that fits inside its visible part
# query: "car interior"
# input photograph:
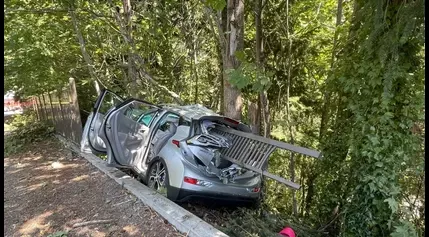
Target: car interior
(166, 129)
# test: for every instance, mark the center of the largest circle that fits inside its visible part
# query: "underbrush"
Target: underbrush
(261, 223)
(25, 129)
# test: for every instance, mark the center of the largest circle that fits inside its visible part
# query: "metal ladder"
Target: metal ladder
(252, 152)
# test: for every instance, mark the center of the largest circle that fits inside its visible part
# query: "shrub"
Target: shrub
(26, 129)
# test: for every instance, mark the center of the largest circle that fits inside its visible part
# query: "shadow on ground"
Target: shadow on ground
(47, 189)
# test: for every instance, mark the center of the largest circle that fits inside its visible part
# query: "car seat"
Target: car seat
(164, 138)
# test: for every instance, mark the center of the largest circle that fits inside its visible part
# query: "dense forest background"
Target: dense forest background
(345, 77)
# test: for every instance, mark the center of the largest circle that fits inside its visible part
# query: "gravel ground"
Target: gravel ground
(47, 190)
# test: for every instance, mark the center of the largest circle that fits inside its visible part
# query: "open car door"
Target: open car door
(93, 139)
(126, 130)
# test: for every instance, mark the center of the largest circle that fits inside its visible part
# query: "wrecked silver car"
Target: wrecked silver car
(182, 151)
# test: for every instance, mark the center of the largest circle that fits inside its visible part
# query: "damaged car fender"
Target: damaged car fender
(171, 153)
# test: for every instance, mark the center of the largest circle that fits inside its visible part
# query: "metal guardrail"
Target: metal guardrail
(252, 152)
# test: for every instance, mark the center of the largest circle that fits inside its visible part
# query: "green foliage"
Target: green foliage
(375, 81)
(38, 50)
(372, 171)
(103, 157)
(22, 120)
(216, 4)
(405, 229)
(26, 129)
(249, 77)
(247, 222)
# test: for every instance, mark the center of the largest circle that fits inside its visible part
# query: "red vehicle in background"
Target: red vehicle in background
(10, 105)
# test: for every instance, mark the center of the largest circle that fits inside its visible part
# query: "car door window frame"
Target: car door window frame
(103, 93)
(96, 110)
(141, 121)
(119, 106)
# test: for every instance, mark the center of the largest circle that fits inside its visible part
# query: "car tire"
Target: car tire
(157, 180)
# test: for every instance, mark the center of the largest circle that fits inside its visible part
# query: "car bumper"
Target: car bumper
(212, 188)
(183, 195)
(242, 191)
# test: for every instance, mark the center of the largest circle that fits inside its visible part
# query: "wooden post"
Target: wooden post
(63, 131)
(75, 111)
(73, 94)
(52, 108)
(44, 107)
(41, 108)
(61, 106)
(35, 107)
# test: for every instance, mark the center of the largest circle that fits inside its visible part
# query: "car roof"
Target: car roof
(195, 111)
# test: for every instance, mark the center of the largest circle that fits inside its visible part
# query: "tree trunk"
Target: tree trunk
(254, 117)
(195, 72)
(132, 72)
(310, 194)
(263, 99)
(301, 207)
(258, 28)
(288, 118)
(230, 27)
(233, 101)
(220, 20)
(338, 150)
(221, 96)
(85, 54)
(265, 109)
(327, 95)
(138, 60)
(220, 56)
